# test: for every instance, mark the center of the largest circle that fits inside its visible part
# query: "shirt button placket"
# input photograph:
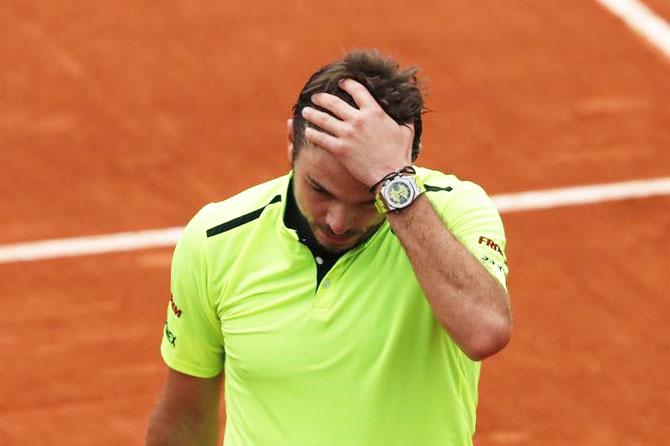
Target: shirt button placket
(323, 305)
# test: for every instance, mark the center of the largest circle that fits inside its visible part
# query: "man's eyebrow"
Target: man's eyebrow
(325, 190)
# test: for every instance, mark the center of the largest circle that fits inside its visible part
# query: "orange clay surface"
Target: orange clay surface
(659, 7)
(118, 116)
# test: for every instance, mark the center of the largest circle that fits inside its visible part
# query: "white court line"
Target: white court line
(96, 244)
(643, 20)
(156, 238)
(570, 196)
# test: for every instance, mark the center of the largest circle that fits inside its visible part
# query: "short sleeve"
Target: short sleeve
(192, 340)
(471, 216)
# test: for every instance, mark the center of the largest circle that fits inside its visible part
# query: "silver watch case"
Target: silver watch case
(399, 192)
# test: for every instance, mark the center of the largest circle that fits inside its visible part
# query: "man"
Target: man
(348, 302)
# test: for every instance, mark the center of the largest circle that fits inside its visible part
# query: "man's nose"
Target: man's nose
(339, 219)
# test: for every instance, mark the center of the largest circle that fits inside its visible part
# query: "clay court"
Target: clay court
(127, 116)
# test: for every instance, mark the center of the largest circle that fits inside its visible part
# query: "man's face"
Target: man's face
(339, 209)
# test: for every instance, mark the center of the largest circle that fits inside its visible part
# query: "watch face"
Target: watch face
(399, 194)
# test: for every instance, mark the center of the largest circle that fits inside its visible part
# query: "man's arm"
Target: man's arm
(466, 299)
(187, 412)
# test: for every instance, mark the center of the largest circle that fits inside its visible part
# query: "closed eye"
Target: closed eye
(316, 187)
(320, 190)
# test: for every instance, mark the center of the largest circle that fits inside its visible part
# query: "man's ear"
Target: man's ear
(289, 149)
(289, 152)
(289, 128)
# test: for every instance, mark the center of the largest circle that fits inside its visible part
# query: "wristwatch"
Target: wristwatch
(398, 192)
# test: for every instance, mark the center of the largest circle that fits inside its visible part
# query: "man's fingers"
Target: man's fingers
(323, 120)
(335, 105)
(361, 95)
(323, 140)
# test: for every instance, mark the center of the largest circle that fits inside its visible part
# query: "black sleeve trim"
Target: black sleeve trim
(430, 188)
(239, 221)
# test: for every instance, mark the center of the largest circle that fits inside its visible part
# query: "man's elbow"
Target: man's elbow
(489, 340)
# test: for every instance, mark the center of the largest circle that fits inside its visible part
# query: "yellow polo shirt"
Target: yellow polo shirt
(357, 360)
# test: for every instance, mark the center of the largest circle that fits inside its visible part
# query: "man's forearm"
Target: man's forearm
(187, 412)
(167, 430)
(466, 299)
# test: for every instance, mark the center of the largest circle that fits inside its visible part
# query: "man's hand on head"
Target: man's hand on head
(367, 141)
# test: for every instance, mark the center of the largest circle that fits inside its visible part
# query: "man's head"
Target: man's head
(395, 90)
(339, 209)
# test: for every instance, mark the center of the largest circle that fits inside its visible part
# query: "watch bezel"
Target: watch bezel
(382, 200)
(405, 180)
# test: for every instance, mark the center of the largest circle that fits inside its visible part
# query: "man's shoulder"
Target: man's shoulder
(218, 217)
(443, 187)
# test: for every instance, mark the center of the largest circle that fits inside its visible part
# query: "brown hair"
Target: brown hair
(397, 91)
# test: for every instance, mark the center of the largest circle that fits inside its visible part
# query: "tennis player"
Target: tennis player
(348, 302)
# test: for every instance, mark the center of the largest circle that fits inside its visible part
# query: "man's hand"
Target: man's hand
(367, 141)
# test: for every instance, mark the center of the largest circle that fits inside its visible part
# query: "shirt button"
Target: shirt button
(325, 284)
(319, 260)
